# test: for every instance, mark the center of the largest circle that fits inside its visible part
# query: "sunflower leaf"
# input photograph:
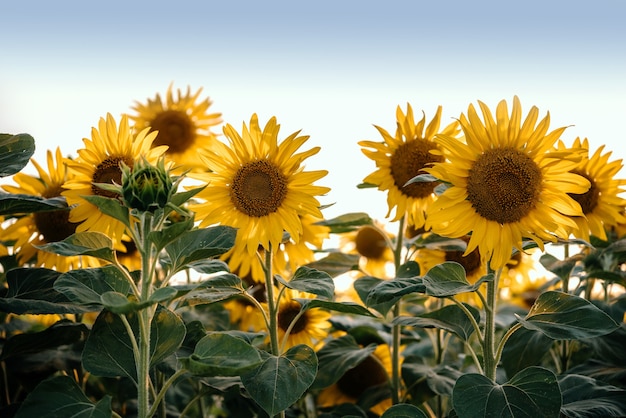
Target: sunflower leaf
(386, 293)
(562, 316)
(279, 381)
(448, 279)
(199, 244)
(422, 178)
(585, 397)
(347, 222)
(345, 307)
(403, 410)
(110, 207)
(84, 286)
(179, 198)
(95, 244)
(336, 263)
(61, 396)
(15, 152)
(450, 318)
(310, 280)
(222, 354)
(13, 204)
(533, 392)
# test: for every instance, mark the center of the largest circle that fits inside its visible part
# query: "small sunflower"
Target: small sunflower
(601, 204)
(402, 157)
(506, 183)
(259, 187)
(41, 228)
(472, 263)
(182, 123)
(375, 370)
(371, 243)
(311, 328)
(99, 162)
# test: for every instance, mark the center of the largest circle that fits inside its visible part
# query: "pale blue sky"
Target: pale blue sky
(329, 68)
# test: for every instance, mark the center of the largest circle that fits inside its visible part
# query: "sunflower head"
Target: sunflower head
(403, 156)
(146, 187)
(183, 123)
(372, 244)
(296, 327)
(507, 183)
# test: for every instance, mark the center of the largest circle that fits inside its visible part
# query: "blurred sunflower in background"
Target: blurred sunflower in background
(472, 263)
(601, 205)
(403, 156)
(244, 313)
(507, 183)
(374, 370)
(39, 228)
(99, 162)
(310, 328)
(373, 244)
(259, 187)
(183, 124)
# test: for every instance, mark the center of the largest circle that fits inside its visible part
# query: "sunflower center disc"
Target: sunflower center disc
(258, 189)
(370, 243)
(176, 130)
(365, 375)
(287, 314)
(588, 200)
(409, 161)
(109, 171)
(504, 185)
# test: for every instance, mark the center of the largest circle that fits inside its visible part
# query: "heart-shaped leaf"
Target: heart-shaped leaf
(449, 279)
(585, 397)
(85, 286)
(95, 244)
(307, 279)
(198, 244)
(222, 354)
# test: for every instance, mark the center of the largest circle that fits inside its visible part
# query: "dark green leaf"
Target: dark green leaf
(448, 279)
(562, 268)
(64, 332)
(95, 244)
(404, 410)
(162, 237)
(119, 303)
(111, 207)
(209, 266)
(196, 245)
(533, 392)
(280, 381)
(85, 286)
(408, 270)
(523, 349)
(60, 396)
(562, 316)
(167, 332)
(15, 152)
(310, 280)
(14, 204)
(450, 318)
(345, 307)
(338, 356)
(385, 294)
(222, 354)
(180, 198)
(584, 397)
(336, 263)
(347, 222)
(439, 379)
(31, 291)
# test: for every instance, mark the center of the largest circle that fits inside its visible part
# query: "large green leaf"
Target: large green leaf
(211, 290)
(84, 287)
(404, 410)
(386, 293)
(523, 349)
(423, 379)
(14, 204)
(336, 263)
(31, 291)
(279, 382)
(562, 316)
(60, 396)
(160, 238)
(338, 356)
(307, 279)
(448, 279)
(222, 354)
(111, 207)
(15, 152)
(345, 307)
(347, 222)
(167, 333)
(450, 318)
(533, 392)
(585, 397)
(196, 245)
(95, 244)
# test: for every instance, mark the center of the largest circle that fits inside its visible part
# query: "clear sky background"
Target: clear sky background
(332, 69)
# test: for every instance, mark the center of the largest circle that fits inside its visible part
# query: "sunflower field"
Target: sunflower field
(176, 266)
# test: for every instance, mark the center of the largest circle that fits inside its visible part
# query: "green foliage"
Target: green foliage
(15, 152)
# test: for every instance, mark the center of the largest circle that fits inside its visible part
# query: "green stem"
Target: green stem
(271, 303)
(396, 329)
(489, 346)
(164, 389)
(504, 339)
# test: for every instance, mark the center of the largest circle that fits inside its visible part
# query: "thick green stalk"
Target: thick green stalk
(271, 303)
(489, 343)
(396, 329)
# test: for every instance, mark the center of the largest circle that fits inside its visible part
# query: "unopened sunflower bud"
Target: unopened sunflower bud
(146, 187)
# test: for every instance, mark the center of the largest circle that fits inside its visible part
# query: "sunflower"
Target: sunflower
(373, 371)
(371, 243)
(506, 183)
(309, 329)
(99, 162)
(259, 187)
(245, 314)
(601, 204)
(39, 228)
(402, 157)
(183, 124)
(295, 253)
(472, 263)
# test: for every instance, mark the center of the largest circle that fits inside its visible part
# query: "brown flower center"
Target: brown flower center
(109, 171)
(54, 225)
(367, 374)
(409, 161)
(504, 185)
(370, 243)
(258, 189)
(588, 200)
(176, 130)
(287, 313)
(471, 262)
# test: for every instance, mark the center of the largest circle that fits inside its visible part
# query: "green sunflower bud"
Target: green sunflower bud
(146, 187)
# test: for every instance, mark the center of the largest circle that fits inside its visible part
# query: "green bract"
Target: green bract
(146, 187)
